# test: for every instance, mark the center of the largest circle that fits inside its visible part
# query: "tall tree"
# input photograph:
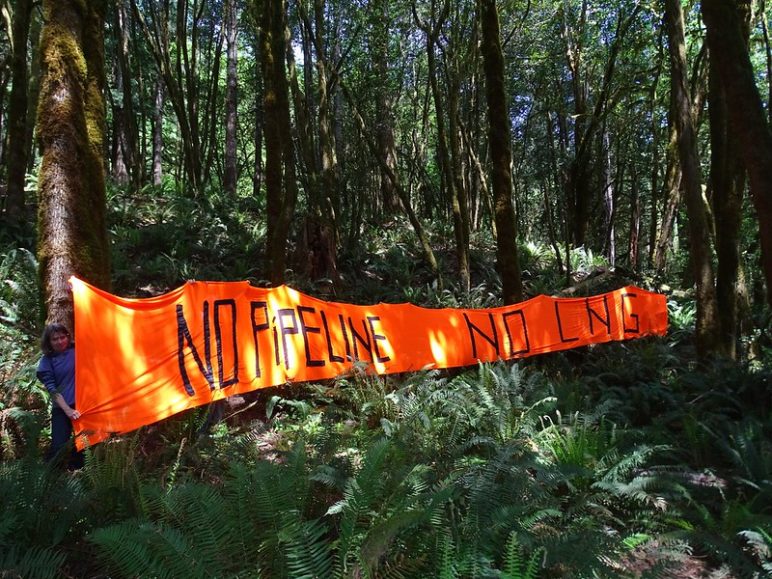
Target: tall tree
(178, 56)
(320, 231)
(157, 133)
(727, 181)
(747, 120)
(125, 162)
(230, 175)
(72, 236)
(448, 136)
(707, 325)
(16, 150)
(507, 259)
(587, 119)
(384, 105)
(280, 184)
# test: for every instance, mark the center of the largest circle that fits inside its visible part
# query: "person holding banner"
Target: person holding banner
(56, 370)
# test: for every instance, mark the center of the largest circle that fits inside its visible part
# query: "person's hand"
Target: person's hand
(73, 414)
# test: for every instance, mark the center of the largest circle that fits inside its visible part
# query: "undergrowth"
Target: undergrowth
(623, 459)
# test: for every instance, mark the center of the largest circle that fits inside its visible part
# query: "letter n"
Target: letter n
(183, 335)
(494, 341)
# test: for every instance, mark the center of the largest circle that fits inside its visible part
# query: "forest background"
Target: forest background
(443, 153)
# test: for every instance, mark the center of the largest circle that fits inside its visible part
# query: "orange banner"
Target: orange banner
(141, 360)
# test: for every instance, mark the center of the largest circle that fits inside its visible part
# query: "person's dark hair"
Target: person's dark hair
(50, 330)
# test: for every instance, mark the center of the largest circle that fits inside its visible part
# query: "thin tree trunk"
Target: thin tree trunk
(210, 148)
(71, 127)
(179, 80)
(158, 136)
(119, 145)
(672, 193)
(609, 199)
(768, 52)
(707, 323)
(479, 173)
(230, 176)
(655, 155)
(460, 202)
(384, 106)
(580, 190)
(507, 260)
(130, 122)
(326, 232)
(257, 178)
(16, 155)
(633, 246)
(404, 196)
(4, 78)
(447, 144)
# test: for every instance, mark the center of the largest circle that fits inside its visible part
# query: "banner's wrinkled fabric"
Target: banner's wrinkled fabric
(141, 360)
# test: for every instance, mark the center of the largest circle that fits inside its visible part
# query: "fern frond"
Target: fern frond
(308, 552)
(32, 563)
(515, 566)
(137, 548)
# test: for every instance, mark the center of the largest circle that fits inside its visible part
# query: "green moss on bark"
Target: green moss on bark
(71, 127)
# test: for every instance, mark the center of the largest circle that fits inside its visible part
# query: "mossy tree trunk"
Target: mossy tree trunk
(72, 237)
(747, 119)
(707, 323)
(507, 259)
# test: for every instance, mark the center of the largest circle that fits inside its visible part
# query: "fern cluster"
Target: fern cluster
(588, 465)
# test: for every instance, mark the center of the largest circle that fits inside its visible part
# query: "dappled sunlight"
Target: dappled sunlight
(439, 345)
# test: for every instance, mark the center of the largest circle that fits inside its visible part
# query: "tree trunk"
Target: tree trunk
(71, 127)
(387, 147)
(404, 196)
(768, 52)
(460, 198)
(326, 232)
(507, 260)
(577, 182)
(210, 148)
(257, 135)
(587, 122)
(747, 120)
(118, 160)
(633, 246)
(4, 78)
(727, 179)
(707, 323)
(180, 79)
(158, 135)
(609, 200)
(231, 34)
(128, 138)
(281, 188)
(449, 157)
(17, 114)
(655, 156)
(672, 190)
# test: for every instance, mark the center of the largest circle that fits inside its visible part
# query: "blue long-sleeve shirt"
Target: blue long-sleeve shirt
(57, 373)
